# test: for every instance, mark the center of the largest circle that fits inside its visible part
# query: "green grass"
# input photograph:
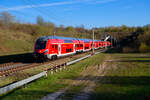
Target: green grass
(15, 42)
(127, 79)
(20, 75)
(36, 90)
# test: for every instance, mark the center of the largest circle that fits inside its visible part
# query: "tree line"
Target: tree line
(131, 39)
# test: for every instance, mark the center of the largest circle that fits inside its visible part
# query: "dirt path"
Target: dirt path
(53, 96)
(96, 73)
(88, 77)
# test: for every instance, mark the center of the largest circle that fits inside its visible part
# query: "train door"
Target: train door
(74, 48)
(59, 51)
(56, 48)
(52, 49)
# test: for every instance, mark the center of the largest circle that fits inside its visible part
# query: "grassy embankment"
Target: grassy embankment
(20, 75)
(128, 78)
(15, 42)
(52, 83)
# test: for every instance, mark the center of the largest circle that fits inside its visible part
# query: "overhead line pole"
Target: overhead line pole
(93, 42)
(54, 33)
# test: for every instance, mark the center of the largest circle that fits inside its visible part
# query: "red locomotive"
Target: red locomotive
(51, 47)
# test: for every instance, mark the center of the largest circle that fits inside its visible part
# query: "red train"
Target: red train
(51, 47)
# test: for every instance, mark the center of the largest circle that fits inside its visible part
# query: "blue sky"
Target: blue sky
(90, 13)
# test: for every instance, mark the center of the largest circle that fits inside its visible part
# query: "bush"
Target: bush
(144, 48)
(129, 50)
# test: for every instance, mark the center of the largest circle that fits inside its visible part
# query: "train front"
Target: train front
(41, 49)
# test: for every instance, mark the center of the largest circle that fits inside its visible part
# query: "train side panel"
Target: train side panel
(52, 47)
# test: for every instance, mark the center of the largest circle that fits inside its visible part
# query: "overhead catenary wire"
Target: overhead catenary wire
(51, 16)
(13, 12)
(48, 15)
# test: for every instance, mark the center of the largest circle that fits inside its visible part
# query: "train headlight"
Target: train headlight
(45, 51)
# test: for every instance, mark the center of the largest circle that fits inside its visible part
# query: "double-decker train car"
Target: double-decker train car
(51, 47)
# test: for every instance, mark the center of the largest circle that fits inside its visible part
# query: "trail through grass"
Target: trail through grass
(119, 77)
(52, 83)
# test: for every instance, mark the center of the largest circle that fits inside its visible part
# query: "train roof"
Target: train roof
(67, 39)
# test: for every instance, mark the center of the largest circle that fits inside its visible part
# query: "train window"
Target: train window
(56, 47)
(77, 45)
(81, 45)
(59, 48)
(40, 44)
(52, 46)
(86, 47)
(66, 50)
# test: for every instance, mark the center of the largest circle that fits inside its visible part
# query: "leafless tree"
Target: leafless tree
(6, 18)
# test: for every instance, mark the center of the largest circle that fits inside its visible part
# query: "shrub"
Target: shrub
(129, 50)
(144, 48)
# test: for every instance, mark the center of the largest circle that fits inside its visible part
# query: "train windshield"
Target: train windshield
(40, 44)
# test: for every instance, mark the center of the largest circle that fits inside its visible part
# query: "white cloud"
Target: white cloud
(99, 1)
(57, 4)
(36, 6)
(105, 1)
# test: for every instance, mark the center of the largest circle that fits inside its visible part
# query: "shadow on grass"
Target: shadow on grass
(120, 87)
(114, 50)
(126, 80)
(119, 80)
(137, 57)
(124, 88)
(23, 58)
(141, 61)
(131, 60)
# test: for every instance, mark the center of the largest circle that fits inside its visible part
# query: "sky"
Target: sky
(87, 13)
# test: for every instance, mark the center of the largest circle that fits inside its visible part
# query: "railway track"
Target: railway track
(10, 68)
(6, 64)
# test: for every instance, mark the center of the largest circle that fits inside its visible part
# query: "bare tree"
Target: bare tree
(40, 20)
(6, 18)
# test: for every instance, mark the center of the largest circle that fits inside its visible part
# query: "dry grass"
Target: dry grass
(15, 42)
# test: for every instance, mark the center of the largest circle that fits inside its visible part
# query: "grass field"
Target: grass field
(52, 83)
(128, 78)
(15, 42)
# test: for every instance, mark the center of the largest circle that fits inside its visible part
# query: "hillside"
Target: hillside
(15, 42)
